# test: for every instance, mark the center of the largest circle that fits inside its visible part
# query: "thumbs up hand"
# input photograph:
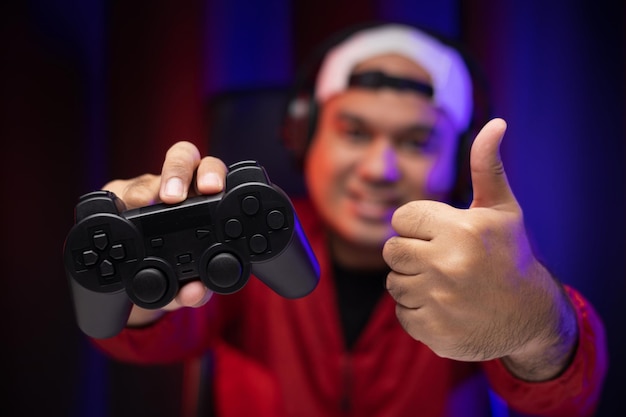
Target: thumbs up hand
(466, 282)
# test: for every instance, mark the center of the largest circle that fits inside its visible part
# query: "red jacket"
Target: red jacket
(286, 357)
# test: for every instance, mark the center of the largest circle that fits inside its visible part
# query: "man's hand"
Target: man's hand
(466, 282)
(181, 167)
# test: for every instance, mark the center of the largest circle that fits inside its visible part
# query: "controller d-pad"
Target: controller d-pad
(149, 285)
(101, 249)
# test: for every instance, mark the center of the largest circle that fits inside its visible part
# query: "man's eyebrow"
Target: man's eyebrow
(350, 117)
(418, 128)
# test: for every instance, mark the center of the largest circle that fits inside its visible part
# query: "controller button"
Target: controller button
(258, 243)
(117, 252)
(149, 285)
(90, 258)
(107, 268)
(275, 219)
(100, 240)
(202, 233)
(233, 228)
(250, 205)
(224, 270)
(156, 242)
(185, 258)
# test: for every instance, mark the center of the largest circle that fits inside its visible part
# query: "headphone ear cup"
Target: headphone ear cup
(299, 125)
(300, 117)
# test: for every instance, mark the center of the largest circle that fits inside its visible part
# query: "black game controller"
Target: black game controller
(116, 257)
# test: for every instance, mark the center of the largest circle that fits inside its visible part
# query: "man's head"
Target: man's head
(391, 103)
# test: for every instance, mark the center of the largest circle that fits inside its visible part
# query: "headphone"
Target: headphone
(302, 110)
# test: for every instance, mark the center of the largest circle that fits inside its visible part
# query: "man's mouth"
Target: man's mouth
(373, 209)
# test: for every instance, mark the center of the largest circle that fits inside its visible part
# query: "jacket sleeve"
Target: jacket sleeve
(178, 335)
(574, 393)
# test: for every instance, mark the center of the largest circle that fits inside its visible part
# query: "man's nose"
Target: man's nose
(380, 161)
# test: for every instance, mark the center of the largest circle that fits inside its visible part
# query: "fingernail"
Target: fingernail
(211, 180)
(174, 187)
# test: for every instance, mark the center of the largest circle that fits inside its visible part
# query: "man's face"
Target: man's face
(375, 150)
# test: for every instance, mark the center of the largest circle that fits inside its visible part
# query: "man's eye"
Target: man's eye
(417, 141)
(356, 134)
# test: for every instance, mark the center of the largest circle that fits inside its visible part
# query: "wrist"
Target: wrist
(548, 354)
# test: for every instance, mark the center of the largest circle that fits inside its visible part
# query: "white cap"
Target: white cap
(451, 80)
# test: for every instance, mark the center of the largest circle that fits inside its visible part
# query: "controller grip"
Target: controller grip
(295, 272)
(100, 315)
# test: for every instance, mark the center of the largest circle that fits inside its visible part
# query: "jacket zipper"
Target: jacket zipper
(346, 384)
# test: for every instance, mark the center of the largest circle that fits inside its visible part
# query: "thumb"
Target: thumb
(489, 181)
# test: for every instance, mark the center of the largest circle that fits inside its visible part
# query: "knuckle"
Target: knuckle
(115, 186)
(391, 285)
(397, 255)
(181, 158)
(389, 249)
(213, 164)
(408, 218)
(141, 191)
(183, 149)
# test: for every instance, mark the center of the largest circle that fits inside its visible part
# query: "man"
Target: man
(418, 301)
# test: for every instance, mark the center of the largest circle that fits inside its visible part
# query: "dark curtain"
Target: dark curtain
(96, 90)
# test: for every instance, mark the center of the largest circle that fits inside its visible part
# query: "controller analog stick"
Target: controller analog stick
(224, 270)
(149, 285)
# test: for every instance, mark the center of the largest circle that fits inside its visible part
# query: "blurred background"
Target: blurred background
(93, 90)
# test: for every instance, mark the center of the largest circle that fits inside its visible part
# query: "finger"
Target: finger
(192, 294)
(411, 320)
(407, 256)
(211, 175)
(489, 181)
(408, 291)
(422, 325)
(178, 170)
(419, 219)
(137, 192)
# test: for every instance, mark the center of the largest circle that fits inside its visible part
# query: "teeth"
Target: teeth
(373, 209)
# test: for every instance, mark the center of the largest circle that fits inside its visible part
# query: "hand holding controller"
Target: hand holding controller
(115, 258)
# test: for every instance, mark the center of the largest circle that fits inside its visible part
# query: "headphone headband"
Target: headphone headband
(378, 79)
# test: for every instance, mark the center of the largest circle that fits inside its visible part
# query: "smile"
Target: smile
(373, 209)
